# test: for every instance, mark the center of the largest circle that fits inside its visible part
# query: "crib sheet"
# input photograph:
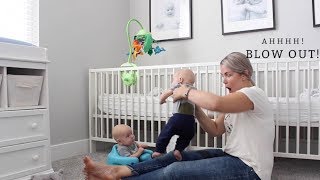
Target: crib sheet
(284, 109)
(134, 104)
(294, 110)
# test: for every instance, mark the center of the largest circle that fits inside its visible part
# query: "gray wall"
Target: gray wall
(293, 20)
(83, 34)
(79, 34)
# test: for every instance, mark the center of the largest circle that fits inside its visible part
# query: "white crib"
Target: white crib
(292, 87)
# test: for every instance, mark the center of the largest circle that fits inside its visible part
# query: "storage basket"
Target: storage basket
(24, 90)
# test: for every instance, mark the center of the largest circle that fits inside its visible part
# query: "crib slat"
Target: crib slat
(113, 98)
(273, 83)
(277, 107)
(118, 96)
(207, 89)
(101, 112)
(145, 107)
(152, 106)
(311, 103)
(287, 110)
(125, 98)
(166, 87)
(159, 106)
(139, 105)
(90, 112)
(96, 109)
(299, 111)
(132, 108)
(107, 105)
(309, 109)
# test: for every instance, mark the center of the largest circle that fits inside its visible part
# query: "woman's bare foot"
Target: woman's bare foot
(99, 171)
(177, 155)
(156, 154)
(94, 170)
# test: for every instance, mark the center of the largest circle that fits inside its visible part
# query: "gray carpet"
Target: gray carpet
(296, 169)
(72, 167)
(284, 169)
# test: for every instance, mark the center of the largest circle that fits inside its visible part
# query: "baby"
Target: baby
(169, 20)
(241, 9)
(182, 121)
(260, 9)
(126, 141)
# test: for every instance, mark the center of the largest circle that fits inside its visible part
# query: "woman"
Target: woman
(246, 118)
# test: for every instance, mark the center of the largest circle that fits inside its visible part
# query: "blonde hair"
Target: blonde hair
(239, 63)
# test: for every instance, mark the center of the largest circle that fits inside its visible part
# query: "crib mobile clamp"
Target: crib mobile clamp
(142, 42)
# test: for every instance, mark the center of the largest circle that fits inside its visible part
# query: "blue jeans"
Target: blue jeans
(201, 164)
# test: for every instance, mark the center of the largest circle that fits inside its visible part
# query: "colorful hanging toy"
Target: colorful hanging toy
(142, 43)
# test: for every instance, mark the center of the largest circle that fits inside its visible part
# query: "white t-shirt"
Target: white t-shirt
(250, 134)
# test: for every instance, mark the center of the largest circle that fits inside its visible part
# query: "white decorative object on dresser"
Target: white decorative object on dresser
(24, 112)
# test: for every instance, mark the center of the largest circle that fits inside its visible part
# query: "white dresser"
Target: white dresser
(24, 130)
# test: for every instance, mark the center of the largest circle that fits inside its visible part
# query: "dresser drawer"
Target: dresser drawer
(21, 160)
(23, 126)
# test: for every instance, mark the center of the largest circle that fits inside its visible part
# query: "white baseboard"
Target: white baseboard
(69, 149)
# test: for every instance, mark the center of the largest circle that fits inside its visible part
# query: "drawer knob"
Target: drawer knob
(34, 125)
(35, 157)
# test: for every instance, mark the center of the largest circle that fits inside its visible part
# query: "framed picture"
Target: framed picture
(170, 19)
(247, 15)
(316, 13)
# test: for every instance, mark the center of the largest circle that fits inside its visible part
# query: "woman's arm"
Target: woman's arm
(231, 103)
(214, 127)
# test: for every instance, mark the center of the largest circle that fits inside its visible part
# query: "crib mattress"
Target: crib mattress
(293, 110)
(285, 110)
(134, 104)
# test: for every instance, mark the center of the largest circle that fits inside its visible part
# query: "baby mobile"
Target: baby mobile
(142, 43)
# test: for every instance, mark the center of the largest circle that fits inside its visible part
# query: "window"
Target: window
(19, 20)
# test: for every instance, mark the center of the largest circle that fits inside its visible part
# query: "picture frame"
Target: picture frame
(239, 16)
(170, 19)
(316, 13)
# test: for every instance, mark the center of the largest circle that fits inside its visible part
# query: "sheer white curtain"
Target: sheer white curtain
(19, 20)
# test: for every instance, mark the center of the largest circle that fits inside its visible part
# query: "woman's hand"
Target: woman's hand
(179, 93)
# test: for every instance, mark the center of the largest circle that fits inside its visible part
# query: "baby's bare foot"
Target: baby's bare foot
(156, 154)
(177, 155)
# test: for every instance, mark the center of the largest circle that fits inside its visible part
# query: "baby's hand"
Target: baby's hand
(141, 149)
(143, 145)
